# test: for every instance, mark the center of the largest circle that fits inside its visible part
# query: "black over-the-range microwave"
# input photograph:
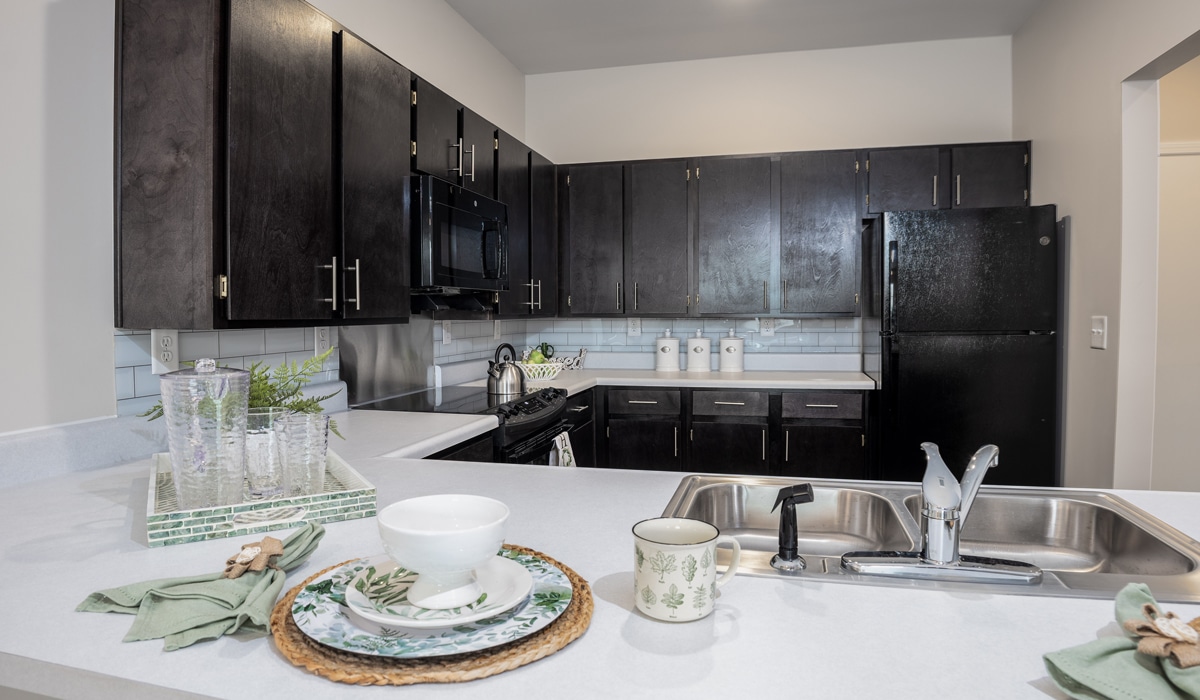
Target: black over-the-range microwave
(460, 239)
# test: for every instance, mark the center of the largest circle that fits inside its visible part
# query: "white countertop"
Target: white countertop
(575, 381)
(67, 536)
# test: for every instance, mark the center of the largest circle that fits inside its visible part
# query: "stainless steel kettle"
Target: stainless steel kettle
(505, 378)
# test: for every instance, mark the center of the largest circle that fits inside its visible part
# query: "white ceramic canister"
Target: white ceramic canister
(731, 353)
(698, 358)
(666, 353)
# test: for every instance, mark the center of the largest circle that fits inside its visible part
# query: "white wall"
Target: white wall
(1177, 382)
(57, 188)
(899, 94)
(429, 38)
(1069, 62)
(56, 194)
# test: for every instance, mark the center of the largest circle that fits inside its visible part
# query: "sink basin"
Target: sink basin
(1088, 543)
(1064, 534)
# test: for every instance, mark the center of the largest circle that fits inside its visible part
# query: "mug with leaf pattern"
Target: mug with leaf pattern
(675, 567)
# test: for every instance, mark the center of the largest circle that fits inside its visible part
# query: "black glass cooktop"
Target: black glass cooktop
(447, 399)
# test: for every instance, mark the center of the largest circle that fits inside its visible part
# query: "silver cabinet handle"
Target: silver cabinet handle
(618, 296)
(459, 146)
(641, 401)
(787, 439)
(333, 268)
(766, 302)
(472, 162)
(764, 444)
(635, 286)
(957, 190)
(529, 303)
(935, 190)
(357, 270)
(783, 306)
(820, 405)
(539, 304)
(677, 441)
(730, 403)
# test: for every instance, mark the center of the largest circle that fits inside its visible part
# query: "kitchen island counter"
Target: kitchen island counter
(65, 537)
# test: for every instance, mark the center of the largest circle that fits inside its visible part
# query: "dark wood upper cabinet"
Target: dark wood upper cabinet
(168, 210)
(659, 238)
(375, 118)
(594, 253)
(990, 175)
(512, 186)
(543, 235)
(435, 127)
(904, 179)
(736, 230)
(479, 154)
(280, 234)
(819, 232)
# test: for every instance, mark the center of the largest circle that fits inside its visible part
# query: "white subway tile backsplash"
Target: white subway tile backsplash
(144, 382)
(242, 343)
(198, 345)
(285, 339)
(267, 362)
(124, 382)
(131, 350)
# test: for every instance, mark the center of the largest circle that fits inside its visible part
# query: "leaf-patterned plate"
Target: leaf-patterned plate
(379, 593)
(320, 612)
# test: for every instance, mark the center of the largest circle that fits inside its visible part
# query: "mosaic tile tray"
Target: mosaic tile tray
(347, 496)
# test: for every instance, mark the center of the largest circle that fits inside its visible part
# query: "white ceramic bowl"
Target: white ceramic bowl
(444, 538)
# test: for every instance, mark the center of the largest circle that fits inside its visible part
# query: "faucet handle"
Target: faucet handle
(940, 491)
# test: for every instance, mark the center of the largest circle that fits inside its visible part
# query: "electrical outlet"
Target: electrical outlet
(446, 338)
(164, 351)
(321, 339)
(633, 327)
(766, 327)
(1100, 332)
(495, 330)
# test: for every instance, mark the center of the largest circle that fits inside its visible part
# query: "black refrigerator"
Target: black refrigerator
(969, 341)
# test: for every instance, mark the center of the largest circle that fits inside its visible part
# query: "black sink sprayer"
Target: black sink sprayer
(789, 560)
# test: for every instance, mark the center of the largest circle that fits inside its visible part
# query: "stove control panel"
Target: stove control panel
(532, 407)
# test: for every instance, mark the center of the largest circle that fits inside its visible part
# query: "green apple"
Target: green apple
(536, 357)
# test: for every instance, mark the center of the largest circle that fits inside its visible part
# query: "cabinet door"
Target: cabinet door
(824, 452)
(819, 228)
(479, 154)
(734, 235)
(657, 264)
(595, 250)
(280, 234)
(904, 179)
(543, 235)
(729, 448)
(512, 188)
(992, 175)
(643, 443)
(375, 160)
(435, 121)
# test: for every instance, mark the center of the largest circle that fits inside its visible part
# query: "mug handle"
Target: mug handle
(733, 562)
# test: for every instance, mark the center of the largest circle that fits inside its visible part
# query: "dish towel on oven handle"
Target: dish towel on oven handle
(562, 455)
(190, 609)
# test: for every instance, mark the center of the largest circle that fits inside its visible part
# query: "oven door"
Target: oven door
(534, 449)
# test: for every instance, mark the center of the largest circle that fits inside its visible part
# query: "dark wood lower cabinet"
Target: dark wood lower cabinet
(824, 452)
(761, 432)
(476, 449)
(644, 443)
(729, 448)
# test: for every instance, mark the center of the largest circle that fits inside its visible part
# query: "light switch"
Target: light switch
(446, 337)
(1100, 332)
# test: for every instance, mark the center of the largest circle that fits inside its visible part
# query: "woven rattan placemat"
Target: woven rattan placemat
(359, 669)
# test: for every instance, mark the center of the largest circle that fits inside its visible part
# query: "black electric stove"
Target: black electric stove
(528, 423)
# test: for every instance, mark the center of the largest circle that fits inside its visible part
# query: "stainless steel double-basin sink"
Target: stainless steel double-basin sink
(1088, 543)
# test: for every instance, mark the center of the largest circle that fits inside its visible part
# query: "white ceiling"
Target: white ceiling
(546, 36)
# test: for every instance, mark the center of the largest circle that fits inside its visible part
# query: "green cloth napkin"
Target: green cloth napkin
(186, 610)
(1111, 668)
